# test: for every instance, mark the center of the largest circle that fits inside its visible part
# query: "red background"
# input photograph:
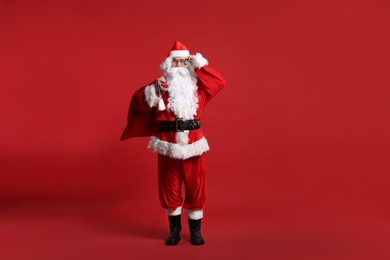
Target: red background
(298, 167)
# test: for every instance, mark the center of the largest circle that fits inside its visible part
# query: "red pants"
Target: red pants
(171, 174)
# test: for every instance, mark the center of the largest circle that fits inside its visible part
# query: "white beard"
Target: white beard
(182, 90)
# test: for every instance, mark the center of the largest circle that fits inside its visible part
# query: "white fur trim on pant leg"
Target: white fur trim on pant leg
(150, 96)
(194, 214)
(178, 151)
(175, 212)
(199, 61)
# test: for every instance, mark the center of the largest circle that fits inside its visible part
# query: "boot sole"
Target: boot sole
(197, 244)
(172, 244)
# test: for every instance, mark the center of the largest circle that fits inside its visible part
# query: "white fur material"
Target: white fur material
(150, 96)
(161, 105)
(178, 151)
(175, 212)
(199, 61)
(179, 53)
(152, 99)
(182, 91)
(182, 137)
(194, 214)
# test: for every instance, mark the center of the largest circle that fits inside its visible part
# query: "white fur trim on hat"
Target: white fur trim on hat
(199, 61)
(179, 53)
(174, 212)
(194, 214)
(178, 151)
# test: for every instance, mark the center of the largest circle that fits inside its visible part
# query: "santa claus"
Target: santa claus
(168, 110)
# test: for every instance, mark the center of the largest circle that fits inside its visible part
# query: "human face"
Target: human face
(178, 62)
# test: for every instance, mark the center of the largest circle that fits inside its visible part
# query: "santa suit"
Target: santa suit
(180, 154)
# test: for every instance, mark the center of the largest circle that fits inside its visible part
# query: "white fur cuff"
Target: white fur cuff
(175, 212)
(194, 214)
(199, 61)
(150, 96)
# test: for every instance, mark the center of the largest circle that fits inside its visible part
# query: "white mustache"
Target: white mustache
(177, 71)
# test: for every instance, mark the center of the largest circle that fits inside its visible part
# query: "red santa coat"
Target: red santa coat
(144, 115)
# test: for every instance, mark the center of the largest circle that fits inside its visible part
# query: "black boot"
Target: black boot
(175, 228)
(196, 236)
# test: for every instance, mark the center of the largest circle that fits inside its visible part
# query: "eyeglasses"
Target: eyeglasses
(182, 61)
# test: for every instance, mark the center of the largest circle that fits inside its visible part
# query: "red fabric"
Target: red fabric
(164, 85)
(171, 174)
(178, 46)
(142, 120)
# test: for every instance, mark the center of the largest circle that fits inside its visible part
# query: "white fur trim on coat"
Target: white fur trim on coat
(182, 137)
(150, 96)
(199, 61)
(194, 214)
(174, 212)
(178, 151)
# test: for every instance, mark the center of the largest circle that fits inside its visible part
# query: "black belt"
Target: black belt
(179, 125)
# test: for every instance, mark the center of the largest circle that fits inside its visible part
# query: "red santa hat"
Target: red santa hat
(179, 50)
